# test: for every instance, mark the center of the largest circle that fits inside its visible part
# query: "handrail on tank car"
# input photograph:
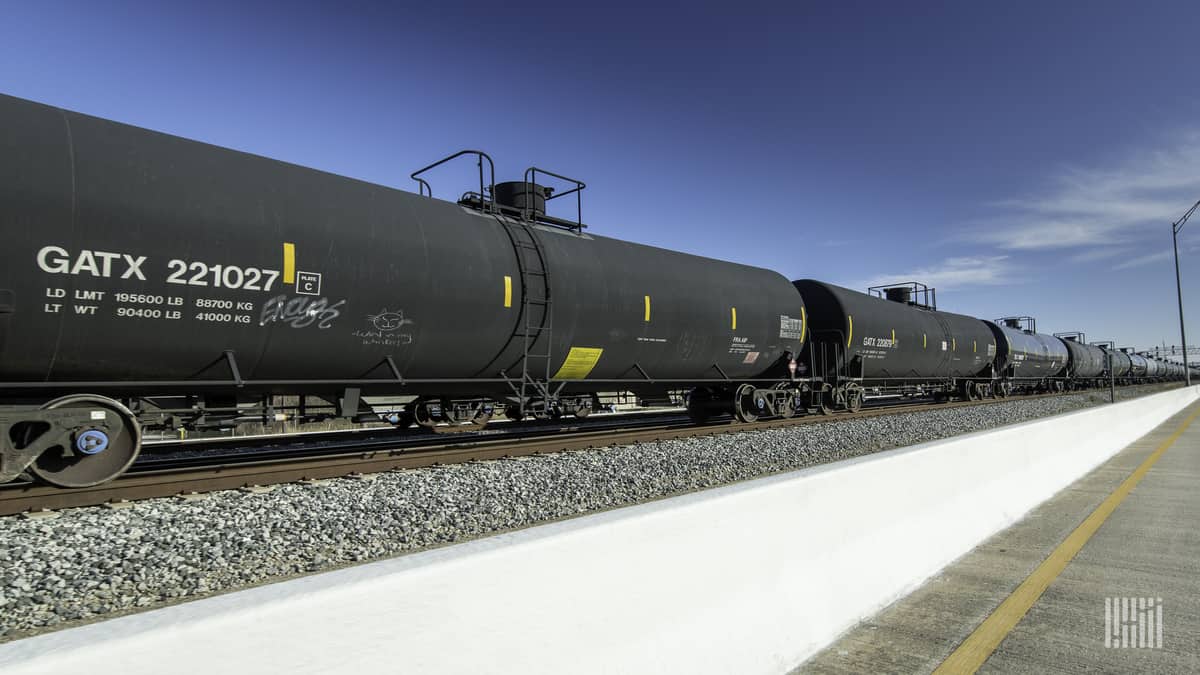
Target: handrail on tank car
(486, 203)
(915, 288)
(1023, 323)
(531, 179)
(1074, 336)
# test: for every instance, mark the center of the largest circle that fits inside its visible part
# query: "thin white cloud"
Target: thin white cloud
(1102, 207)
(1095, 254)
(1145, 260)
(953, 273)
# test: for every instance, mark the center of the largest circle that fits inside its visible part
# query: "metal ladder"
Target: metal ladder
(536, 322)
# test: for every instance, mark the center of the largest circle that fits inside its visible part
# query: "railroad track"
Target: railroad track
(165, 477)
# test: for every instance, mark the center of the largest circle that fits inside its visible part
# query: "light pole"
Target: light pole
(1176, 227)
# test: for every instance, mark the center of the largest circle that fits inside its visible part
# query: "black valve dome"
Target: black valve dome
(522, 195)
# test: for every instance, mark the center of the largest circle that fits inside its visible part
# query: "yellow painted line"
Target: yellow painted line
(980, 644)
(893, 337)
(953, 344)
(507, 291)
(974, 346)
(289, 262)
(803, 324)
(924, 340)
(647, 309)
(850, 337)
(733, 317)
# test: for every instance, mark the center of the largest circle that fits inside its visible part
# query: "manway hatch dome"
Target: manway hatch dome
(525, 199)
(912, 293)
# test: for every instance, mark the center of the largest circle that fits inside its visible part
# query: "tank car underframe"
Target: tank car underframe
(32, 428)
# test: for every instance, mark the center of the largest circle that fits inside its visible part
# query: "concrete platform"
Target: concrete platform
(753, 577)
(1146, 545)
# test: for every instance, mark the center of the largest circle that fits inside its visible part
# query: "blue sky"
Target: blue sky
(1022, 157)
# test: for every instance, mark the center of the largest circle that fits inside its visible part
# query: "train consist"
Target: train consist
(153, 282)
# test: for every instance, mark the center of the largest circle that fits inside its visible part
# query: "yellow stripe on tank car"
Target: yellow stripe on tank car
(733, 318)
(974, 347)
(850, 337)
(803, 324)
(924, 341)
(647, 309)
(953, 344)
(289, 262)
(507, 291)
(893, 337)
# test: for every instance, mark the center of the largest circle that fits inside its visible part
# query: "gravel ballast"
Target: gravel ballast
(94, 562)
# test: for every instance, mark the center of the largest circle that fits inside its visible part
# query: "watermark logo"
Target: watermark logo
(1133, 622)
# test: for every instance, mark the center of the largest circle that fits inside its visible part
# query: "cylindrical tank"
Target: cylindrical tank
(892, 340)
(132, 256)
(1120, 362)
(1022, 354)
(1154, 368)
(1085, 360)
(1138, 366)
(664, 313)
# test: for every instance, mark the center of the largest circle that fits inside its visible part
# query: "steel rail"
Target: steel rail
(252, 470)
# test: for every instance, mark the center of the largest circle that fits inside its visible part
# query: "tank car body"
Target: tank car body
(1027, 354)
(1139, 366)
(134, 255)
(1154, 368)
(138, 264)
(895, 345)
(1120, 363)
(1084, 361)
(883, 339)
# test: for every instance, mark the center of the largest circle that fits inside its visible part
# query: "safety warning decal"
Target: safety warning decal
(579, 363)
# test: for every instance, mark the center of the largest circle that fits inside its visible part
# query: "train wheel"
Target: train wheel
(513, 412)
(1004, 389)
(423, 415)
(745, 407)
(825, 405)
(96, 457)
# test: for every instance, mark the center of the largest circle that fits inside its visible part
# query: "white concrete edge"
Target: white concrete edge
(768, 582)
